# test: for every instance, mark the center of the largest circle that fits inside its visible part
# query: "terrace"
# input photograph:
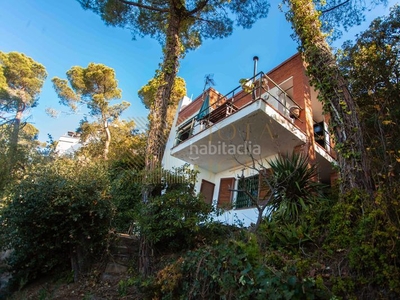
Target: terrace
(259, 113)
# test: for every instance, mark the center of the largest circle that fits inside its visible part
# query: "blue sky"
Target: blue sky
(60, 34)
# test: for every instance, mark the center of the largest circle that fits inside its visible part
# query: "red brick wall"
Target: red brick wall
(294, 67)
(195, 106)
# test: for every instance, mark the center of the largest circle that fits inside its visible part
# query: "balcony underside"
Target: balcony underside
(256, 130)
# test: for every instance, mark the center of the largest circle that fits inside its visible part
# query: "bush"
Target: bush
(126, 189)
(172, 220)
(235, 269)
(294, 187)
(59, 214)
(368, 234)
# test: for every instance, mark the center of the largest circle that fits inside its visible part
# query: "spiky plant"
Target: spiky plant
(295, 186)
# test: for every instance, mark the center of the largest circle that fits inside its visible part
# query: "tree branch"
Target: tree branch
(252, 199)
(202, 20)
(6, 121)
(198, 8)
(334, 7)
(144, 6)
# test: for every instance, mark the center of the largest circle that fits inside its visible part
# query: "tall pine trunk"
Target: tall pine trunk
(158, 127)
(158, 112)
(15, 135)
(106, 149)
(335, 96)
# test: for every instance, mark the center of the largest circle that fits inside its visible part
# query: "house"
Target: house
(221, 135)
(68, 143)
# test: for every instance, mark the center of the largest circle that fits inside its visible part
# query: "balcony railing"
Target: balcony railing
(260, 87)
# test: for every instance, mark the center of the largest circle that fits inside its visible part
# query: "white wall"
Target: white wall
(67, 145)
(244, 216)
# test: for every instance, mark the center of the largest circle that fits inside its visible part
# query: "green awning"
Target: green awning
(205, 108)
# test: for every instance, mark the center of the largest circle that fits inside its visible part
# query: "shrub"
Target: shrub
(235, 269)
(294, 187)
(126, 188)
(367, 232)
(172, 220)
(57, 215)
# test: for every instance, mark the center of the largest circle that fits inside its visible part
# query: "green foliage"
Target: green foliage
(294, 187)
(339, 15)
(21, 80)
(94, 86)
(363, 232)
(372, 66)
(247, 85)
(58, 214)
(177, 219)
(5, 175)
(366, 233)
(126, 145)
(126, 189)
(196, 20)
(350, 245)
(276, 263)
(248, 266)
(278, 234)
(171, 221)
(27, 150)
(148, 92)
(325, 76)
(148, 95)
(235, 269)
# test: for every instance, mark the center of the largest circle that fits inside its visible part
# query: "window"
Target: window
(319, 133)
(184, 132)
(249, 184)
(257, 186)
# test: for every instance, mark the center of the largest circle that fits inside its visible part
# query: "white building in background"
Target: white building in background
(68, 143)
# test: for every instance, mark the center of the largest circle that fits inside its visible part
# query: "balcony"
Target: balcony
(257, 119)
(325, 155)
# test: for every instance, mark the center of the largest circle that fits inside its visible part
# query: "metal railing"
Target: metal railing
(259, 87)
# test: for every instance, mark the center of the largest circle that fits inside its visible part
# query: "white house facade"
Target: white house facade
(222, 135)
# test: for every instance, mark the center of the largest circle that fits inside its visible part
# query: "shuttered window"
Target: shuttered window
(207, 190)
(225, 193)
(265, 190)
(256, 186)
(249, 184)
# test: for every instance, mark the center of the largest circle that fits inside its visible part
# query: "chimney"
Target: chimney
(255, 59)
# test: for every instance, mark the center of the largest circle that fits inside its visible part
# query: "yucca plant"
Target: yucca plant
(295, 187)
